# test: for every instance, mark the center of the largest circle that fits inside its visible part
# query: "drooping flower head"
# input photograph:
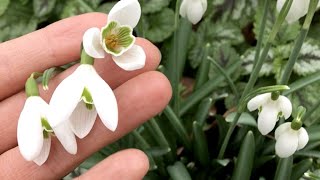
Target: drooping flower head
(270, 110)
(298, 9)
(193, 10)
(116, 37)
(81, 97)
(289, 140)
(34, 129)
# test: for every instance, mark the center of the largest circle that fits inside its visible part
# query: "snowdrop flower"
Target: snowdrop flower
(81, 96)
(116, 37)
(298, 9)
(34, 130)
(269, 110)
(289, 140)
(193, 10)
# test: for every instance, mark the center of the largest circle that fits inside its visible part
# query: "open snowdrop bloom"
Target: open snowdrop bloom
(289, 140)
(193, 10)
(116, 37)
(81, 96)
(270, 109)
(298, 9)
(34, 130)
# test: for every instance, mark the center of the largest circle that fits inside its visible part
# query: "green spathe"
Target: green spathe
(117, 39)
(31, 87)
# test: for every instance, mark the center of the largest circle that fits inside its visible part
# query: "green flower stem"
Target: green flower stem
(175, 77)
(159, 137)
(206, 89)
(228, 78)
(255, 73)
(261, 32)
(299, 42)
(302, 82)
(31, 86)
(202, 74)
(85, 58)
(178, 127)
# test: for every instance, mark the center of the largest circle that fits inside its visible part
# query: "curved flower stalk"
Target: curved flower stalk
(270, 110)
(80, 97)
(34, 130)
(193, 10)
(298, 9)
(116, 37)
(289, 140)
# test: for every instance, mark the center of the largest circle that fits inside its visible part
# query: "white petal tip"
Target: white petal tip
(133, 59)
(91, 43)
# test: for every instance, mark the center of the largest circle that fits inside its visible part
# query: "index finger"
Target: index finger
(54, 45)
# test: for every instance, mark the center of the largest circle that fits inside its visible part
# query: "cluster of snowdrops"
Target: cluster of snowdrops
(84, 95)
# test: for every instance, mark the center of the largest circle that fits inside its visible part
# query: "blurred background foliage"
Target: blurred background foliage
(183, 143)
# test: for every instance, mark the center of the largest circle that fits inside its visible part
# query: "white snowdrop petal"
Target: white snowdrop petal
(267, 119)
(195, 11)
(298, 9)
(66, 137)
(281, 129)
(29, 131)
(43, 156)
(258, 101)
(92, 43)
(287, 144)
(66, 97)
(126, 12)
(133, 59)
(183, 8)
(285, 106)
(204, 5)
(104, 101)
(303, 138)
(82, 120)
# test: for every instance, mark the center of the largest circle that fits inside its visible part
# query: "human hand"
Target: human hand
(56, 45)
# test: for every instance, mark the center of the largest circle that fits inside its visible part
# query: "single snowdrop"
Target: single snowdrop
(34, 130)
(290, 140)
(193, 10)
(116, 37)
(270, 109)
(298, 9)
(81, 96)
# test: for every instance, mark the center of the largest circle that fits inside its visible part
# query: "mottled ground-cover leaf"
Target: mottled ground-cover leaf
(17, 21)
(152, 6)
(3, 6)
(159, 26)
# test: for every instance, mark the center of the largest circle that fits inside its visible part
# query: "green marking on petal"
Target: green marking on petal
(46, 126)
(87, 98)
(116, 38)
(45, 134)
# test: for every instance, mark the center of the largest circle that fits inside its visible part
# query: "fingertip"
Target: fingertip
(153, 54)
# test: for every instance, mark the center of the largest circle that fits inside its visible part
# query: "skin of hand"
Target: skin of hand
(59, 44)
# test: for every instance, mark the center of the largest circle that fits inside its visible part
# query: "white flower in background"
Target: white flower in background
(269, 110)
(79, 98)
(289, 140)
(193, 10)
(298, 9)
(116, 37)
(34, 131)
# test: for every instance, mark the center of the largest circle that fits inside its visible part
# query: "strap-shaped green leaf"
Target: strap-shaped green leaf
(245, 159)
